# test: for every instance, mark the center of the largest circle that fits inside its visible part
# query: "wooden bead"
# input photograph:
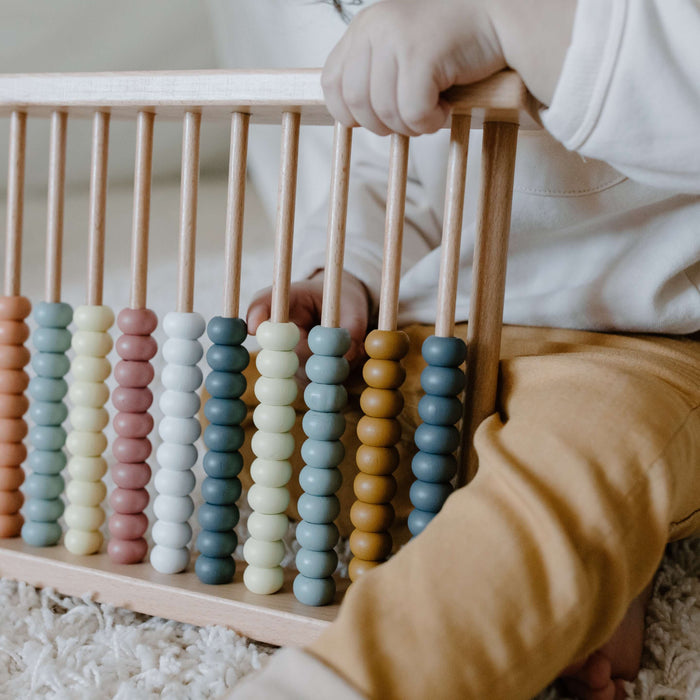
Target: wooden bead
(418, 521)
(359, 567)
(215, 570)
(387, 345)
(315, 564)
(443, 381)
(440, 410)
(42, 510)
(318, 509)
(48, 413)
(44, 486)
(185, 325)
(176, 457)
(326, 398)
(131, 476)
(377, 460)
(131, 551)
(140, 348)
(274, 419)
(374, 489)
(322, 453)
(444, 352)
(329, 341)
(227, 331)
(177, 509)
(433, 467)
(84, 444)
(14, 308)
(41, 534)
(381, 403)
(324, 369)
(277, 364)
(14, 356)
(169, 561)
(277, 336)
(87, 468)
(224, 438)
(264, 499)
(92, 394)
(13, 381)
(82, 542)
(216, 544)
(50, 364)
(12, 454)
(132, 400)
(11, 501)
(11, 478)
(127, 526)
(13, 429)
(133, 425)
(378, 432)
(273, 473)
(314, 591)
(181, 378)
(275, 446)
(127, 450)
(225, 385)
(90, 369)
(53, 314)
(174, 483)
(44, 437)
(133, 374)
(370, 546)
(10, 524)
(52, 340)
(323, 426)
(179, 404)
(182, 431)
(268, 526)
(436, 439)
(383, 374)
(320, 482)
(217, 518)
(48, 390)
(317, 536)
(174, 535)
(429, 497)
(93, 318)
(372, 517)
(263, 581)
(181, 351)
(275, 391)
(222, 465)
(86, 493)
(263, 554)
(228, 358)
(13, 406)
(13, 332)
(46, 462)
(137, 322)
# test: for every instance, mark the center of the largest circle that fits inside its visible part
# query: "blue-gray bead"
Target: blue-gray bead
(442, 381)
(222, 465)
(227, 331)
(214, 571)
(433, 467)
(444, 352)
(47, 437)
(216, 544)
(325, 369)
(51, 339)
(55, 314)
(225, 411)
(314, 564)
(38, 534)
(436, 439)
(222, 492)
(327, 398)
(48, 413)
(225, 385)
(42, 510)
(224, 438)
(322, 453)
(320, 482)
(217, 518)
(440, 410)
(429, 497)
(47, 462)
(51, 364)
(318, 509)
(314, 591)
(329, 341)
(44, 486)
(417, 521)
(323, 426)
(318, 537)
(46, 389)
(228, 358)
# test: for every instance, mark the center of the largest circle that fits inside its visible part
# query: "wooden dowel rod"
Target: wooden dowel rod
(98, 206)
(188, 211)
(284, 229)
(393, 236)
(234, 213)
(141, 210)
(15, 203)
(56, 198)
(337, 215)
(488, 285)
(452, 226)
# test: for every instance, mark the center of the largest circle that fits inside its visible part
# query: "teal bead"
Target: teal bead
(318, 509)
(325, 369)
(51, 364)
(47, 437)
(319, 537)
(436, 439)
(314, 564)
(228, 358)
(217, 518)
(216, 544)
(47, 461)
(440, 410)
(214, 571)
(221, 492)
(417, 521)
(38, 534)
(224, 438)
(326, 398)
(444, 352)
(222, 465)
(227, 331)
(329, 341)
(225, 411)
(322, 453)
(225, 385)
(314, 591)
(48, 413)
(46, 389)
(44, 510)
(429, 497)
(320, 482)
(44, 486)
(433, 467)
(442, 381)
(51, 339)
(323, 426)
(55, 314)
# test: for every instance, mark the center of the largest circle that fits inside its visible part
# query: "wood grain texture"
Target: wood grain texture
(98, 208)
(54, 205)
(15, 203)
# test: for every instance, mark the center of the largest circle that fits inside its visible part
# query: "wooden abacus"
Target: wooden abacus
(170, 586)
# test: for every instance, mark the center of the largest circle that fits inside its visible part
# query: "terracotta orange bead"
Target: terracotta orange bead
(377, 460)
(10, 525)
(13, 381)
(371, 517)
(12, 429)
(387, 345)
(13, 332)
(11, 478)
(11, 501)
(13, 356)
(13, 406)
(14, 308)
(383, 374)
(374, 489)
(370, 546)
(359, 567)
(381, 403)
(12, 454)
(378, 432)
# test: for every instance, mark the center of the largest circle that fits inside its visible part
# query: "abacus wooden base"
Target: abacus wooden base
(276, 619)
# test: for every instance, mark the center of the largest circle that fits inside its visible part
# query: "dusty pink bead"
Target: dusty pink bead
(127, 551)
(131, 476)
(133, 374)
(132, 400)
(131, 450)
(136, 347)
(129, 500)
(137, 321)
(127, 526)
(133, 425)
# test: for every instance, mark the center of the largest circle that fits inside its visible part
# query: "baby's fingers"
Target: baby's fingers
(259, 309)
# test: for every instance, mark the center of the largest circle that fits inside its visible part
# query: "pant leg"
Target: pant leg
(590, 465)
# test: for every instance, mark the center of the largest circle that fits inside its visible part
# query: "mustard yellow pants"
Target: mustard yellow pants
(589, 467)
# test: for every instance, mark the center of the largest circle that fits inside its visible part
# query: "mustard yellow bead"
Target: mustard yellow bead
(378, 432)
(370, 546)
(387, 345)
(383, 374)
(381, 403)
(377, 460)
(374, 489)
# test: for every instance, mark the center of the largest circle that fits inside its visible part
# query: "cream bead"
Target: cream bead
(262, 553)
(269, 527)
(169, 561)
(274, 419)
(263, 581)
(264, 499)
(93, 318)
(271, 472)
(88, 517)
(277, 336)
(174, 483)
(272, 445)
(83, 542)
(87, 468)
(91, 343)
(84, 444)
(90, 369)
(183, 431)
(176, 457)
(180, 324)
(91, 394)
(180, 351)
(172, 535)
(277, 363)
(275, 391)
(88, 419)
(181, 404)
(176, 509)
(86, 493)
(181, 378)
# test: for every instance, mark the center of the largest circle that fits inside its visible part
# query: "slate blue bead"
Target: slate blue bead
(38, 534)
(44, 510)
(47, 437)
(440, 410)
(214, 571)
(323, 426)
(444, 352)
(442, 381)
(222, 465)
(44, 486)
(327, 398)
(55, 314)
(322, 453)
(319, 537)
(51, 339)
(429, 497)
(314, 591)
(320, 482)
(433, 467)
(436, 439)
(325, 369)
(47, 461)
(227, 331)
(48, 413)
(221, 491)
(318, 509)
(217, 518)
(417, 521)
(216, 544)
(50, 364)
(225, 385)
(329, 341)
(314, 564)
(225, 411)
(224, 438)
(228, 358)
(45, 389)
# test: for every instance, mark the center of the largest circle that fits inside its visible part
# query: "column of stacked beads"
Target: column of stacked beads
(179, 430)
(13, 382)
(223, 437)
(86, 442)
(377, 457)
(322, 452)
(44, 486)
(437, 438)
(132, 424)
(272, 445)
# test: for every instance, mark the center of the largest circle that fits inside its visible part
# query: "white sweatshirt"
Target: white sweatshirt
(593, 246)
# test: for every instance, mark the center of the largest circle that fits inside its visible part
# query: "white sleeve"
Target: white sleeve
(629, 91)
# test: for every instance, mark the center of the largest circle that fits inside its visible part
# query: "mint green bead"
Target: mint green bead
(48, 413)
(47, 437)
(47, 461)
(46, 389)
(53, 314)
(52, 340)
(44, 510)
(51, 364)
(44, 486)
(38, 534)
(324, 369)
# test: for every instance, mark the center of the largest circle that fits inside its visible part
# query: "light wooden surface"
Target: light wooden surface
(15, 203)
(54, 205)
